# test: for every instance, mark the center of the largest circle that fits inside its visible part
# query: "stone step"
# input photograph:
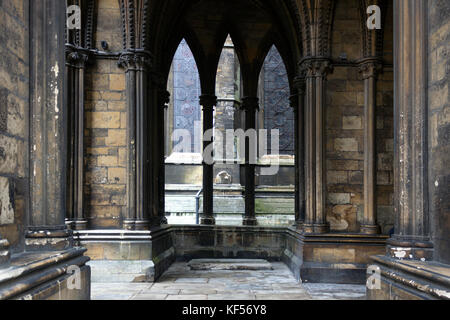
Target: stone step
(229, 264)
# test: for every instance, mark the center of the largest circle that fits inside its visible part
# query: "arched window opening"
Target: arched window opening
(184, 115)
(275, 111)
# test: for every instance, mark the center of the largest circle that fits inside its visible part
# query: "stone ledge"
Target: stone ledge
(408, 279)
(30, 273)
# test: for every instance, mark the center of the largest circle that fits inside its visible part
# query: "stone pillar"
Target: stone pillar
(250, 105)
(208, 102)
(163, 97)
(136, 63)
(76, 60)
(369, 68)
(316, 70)
(298, 104)
(128, 61)
(158, 98)
(143, 63)
(48, 130)
(412, 231)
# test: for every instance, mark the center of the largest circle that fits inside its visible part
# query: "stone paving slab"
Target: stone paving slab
(181, 283)
(229, 264)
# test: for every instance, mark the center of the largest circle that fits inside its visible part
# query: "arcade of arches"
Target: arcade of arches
(92, 175)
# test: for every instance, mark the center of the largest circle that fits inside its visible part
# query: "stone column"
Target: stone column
(48, 130)
(158, 98)
(316, 70)
(208, 102)
(250, 105)
(412, 231)
(136, 64)
(369, 68)
(143, 63)
(76, 60)
(163, 100)
(298, 104)
(128, 61)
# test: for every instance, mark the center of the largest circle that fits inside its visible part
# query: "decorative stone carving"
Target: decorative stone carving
(315, 67)
(223, 177)
(132, 60)
(370, 68)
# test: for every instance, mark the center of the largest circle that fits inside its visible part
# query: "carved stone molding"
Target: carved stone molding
(370, 67)
(315, 67)
(76, 57)
(131, 60)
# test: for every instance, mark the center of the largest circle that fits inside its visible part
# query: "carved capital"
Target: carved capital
(370, 68)
(250, 104)
(315, 67)
(76, 57)
(133, 60)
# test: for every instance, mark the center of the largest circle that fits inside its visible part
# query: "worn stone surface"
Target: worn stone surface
(14, 109)
(229, 264)
(439, 126)
(276, 284)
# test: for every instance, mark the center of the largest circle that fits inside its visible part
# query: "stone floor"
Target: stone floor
(181, 283)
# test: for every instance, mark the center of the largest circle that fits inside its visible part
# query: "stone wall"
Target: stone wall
(439, 126)
(14, 107)
(105, 127)
(345, 128)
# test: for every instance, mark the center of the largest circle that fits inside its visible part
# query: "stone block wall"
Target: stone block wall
(105, 141)
(14, 108)
(439, 126)
(105, 127)
(345, 128)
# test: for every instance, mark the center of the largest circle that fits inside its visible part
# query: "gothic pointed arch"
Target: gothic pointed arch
(274, 93)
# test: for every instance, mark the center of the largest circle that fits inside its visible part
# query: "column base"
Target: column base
(316, 228)
(249, 221)
(80, 225)
(4, 252)
(370, 229)
(409, 248)
(141, 225)
(128, 224)
(209, 221)
(48, 238)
